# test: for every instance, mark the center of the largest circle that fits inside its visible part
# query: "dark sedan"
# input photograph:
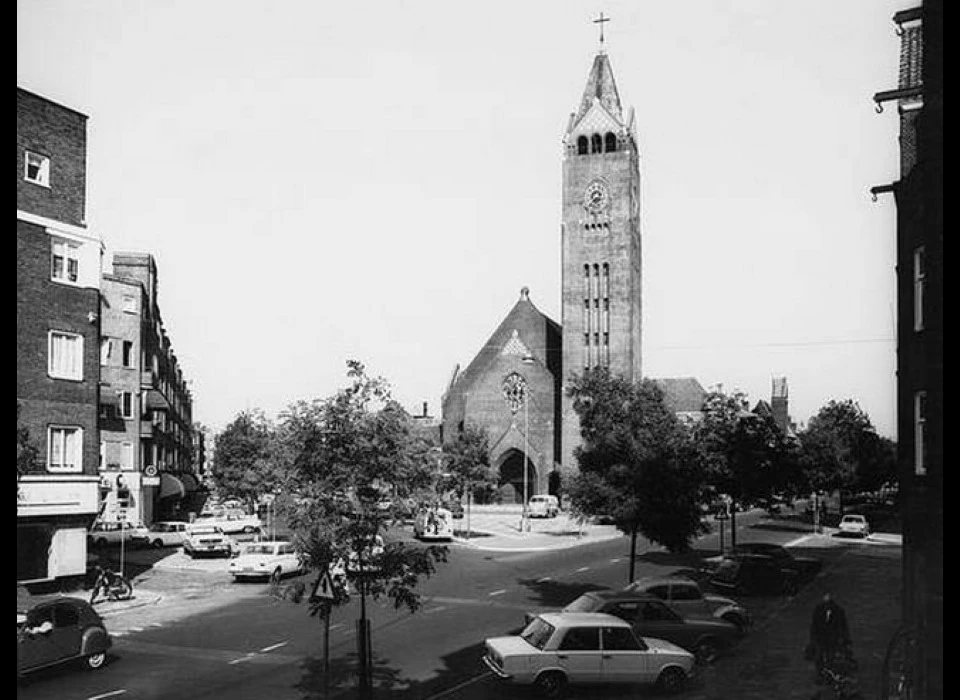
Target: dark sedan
(805, 568)
(58, 631)
(753, 574)
(704, 636)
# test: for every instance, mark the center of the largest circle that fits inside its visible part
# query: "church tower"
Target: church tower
(601, 260)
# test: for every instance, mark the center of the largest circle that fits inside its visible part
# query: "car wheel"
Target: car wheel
(249, 530)
(95, 661)
(158, 544)
(671, 680)
(276, 575)
(706, 651)
(551, 684)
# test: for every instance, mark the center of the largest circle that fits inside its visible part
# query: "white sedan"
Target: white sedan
(166, 534)
(853, 524)
(113, 533)
(555, 649)
(267, 559)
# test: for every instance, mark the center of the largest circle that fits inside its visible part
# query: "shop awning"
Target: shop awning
(171, 486)
(189, 482)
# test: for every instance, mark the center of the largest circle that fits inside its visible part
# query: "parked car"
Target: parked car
(266, 559)
(231, 522)
(688, 598)
(104, 533)
(207, 540)
(804, 568)
(433, 524)
(543, 506)
(166, 534)
(754, 574)
(555, 649)
(60, 630)
(455, 508)
(705, 636)
(854, 524)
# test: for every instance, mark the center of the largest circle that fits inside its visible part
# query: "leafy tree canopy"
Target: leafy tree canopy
(243, 462)
(467, 460)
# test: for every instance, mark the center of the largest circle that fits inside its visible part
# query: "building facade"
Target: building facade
(914, 662)
(58, 331)
(148, 443)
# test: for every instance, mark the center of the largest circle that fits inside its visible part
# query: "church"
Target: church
(513, 387)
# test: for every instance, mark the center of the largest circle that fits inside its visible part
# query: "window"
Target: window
(64, 449)
(583, 146)
(662, 592)
(126, 404)
(620, 639)
(920, 433)
(653, 612)
(581, 639)
(36, 169)
(919, 279)
(129, 304)
(626, 611)
(128, 353)
(106, 351)
(684, 592)
(596, 143)
(610, 142)
(126, 452)
(64, 260)
(65, 355)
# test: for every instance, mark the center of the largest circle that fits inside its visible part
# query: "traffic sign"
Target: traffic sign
(323, 588)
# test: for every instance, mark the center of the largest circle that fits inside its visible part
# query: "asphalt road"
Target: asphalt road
(257, 646)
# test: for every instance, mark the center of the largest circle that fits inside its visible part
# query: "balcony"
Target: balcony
(153, 396)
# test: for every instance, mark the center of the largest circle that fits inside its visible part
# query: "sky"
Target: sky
(377, 180)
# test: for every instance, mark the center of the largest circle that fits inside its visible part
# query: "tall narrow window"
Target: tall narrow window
(106, 350)
(920, 433)
(64, 260)
(596, 143)
(126, 404)
(65, 355)
(583, 146)
(128, 353)
(36, 169)
(126, 455)
(919, 280)
(611, 142)
(64, 449)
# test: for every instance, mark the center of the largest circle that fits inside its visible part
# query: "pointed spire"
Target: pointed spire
(601, 86)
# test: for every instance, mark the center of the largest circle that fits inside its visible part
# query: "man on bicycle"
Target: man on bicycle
(829, 633)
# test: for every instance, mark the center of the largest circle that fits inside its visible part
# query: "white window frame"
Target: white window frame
(69, 252)
(919, 284)
(126, 456)
(106, 351)
(75, 372)
(42, 163)
(919, 433)
(57, 437)
(129, 304)
(126, 404)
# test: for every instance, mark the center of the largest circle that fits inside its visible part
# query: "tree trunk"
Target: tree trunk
(633, 553)
(733, 525)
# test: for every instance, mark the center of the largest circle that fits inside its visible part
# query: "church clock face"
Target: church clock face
(596, 198)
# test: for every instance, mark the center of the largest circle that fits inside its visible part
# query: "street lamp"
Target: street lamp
(524, 524)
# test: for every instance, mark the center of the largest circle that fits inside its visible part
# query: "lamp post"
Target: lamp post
(524, 524)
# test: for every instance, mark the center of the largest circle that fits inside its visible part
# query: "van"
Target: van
(543, 506)
(433, 524)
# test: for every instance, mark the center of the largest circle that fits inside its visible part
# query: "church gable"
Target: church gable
(596, 120)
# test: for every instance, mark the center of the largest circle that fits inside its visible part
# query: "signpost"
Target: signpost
(323, 595)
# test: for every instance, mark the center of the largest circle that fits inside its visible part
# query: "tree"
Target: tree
(244, 464)
(841, 450)
(744, 455)
(26, 449)
(344, 453)
(467, 461)
(630, 462)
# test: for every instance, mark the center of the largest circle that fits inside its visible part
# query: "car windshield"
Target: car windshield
(259, 549)
(585, 603)
(204, 531)
(537, 633)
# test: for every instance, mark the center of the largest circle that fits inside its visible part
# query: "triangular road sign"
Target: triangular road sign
(323, 588)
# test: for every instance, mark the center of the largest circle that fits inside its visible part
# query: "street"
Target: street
(227, 640)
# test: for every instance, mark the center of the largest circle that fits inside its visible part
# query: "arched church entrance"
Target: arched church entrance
(512, 477)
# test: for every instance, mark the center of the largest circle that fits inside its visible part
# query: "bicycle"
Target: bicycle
(839, 674)
(111, 586)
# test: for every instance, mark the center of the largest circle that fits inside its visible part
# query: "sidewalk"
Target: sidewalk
(497, 528)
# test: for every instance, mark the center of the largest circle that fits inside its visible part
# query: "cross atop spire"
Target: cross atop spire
(601, 20)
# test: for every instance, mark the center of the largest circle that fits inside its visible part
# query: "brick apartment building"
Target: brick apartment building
(58, 332)
(914, 662)
(146, 408)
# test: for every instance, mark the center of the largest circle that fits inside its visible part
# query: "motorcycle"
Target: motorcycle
(110, 585)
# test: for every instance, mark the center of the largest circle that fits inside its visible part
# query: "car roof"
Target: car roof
(661, 580)
(854, 516)
(567, 619)
(621, 595)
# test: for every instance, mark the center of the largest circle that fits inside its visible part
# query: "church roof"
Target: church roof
(601, 86)
(523, 331)
(682, 394)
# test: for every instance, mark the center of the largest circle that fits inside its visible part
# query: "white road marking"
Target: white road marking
(582, 569)
(499, 592)
(437, 609)
(275, 646)
(615, 561)
(107, 695)
(333, 627)
(544, 579)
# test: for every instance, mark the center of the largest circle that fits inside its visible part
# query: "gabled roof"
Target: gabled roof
(682, 394)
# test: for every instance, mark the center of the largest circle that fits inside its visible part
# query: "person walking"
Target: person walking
(829, 633)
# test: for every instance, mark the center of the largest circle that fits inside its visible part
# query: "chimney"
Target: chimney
(778, 403)
(425, 414)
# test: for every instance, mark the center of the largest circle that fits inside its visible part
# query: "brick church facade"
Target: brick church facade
(514, 386)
